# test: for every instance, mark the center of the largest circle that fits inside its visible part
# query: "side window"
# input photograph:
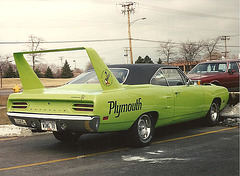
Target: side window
(233, 66)
(173, 77)
(222, 67)
(158, 79)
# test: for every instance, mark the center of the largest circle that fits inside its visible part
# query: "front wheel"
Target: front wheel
(142, 131)
(213, 114)
(66, 136)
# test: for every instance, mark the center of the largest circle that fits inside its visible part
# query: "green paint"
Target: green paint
(122, 104)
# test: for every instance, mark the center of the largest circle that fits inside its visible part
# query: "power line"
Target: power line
(70, 41)
(181, 12)
(100, 40)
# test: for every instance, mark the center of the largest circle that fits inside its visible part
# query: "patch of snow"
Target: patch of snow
(231, 111)
(231, 115)
(155, 153)
(12, 131)
(150, 160)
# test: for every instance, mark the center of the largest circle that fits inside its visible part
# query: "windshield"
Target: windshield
(209, 68)
(90, 77)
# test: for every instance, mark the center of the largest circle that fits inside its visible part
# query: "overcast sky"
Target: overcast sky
(81, 20)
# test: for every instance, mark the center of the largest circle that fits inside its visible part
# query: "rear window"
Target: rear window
(90, 77)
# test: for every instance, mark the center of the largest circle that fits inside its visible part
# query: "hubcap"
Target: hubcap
(144, 127)
(214, 112)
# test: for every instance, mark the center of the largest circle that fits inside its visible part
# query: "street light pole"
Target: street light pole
(75, 63)
(129, 35)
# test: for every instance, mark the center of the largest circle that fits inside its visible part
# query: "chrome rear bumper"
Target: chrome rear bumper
(76, 123)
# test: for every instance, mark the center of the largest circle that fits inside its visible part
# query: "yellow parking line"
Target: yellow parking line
(60, 160)
(195, 135)
(7, 139)
(111, 151)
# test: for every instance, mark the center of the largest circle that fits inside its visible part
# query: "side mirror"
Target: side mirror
(231, 71)
(189, 82)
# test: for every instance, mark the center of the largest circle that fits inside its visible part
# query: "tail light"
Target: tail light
(19, 105)
(87, 107)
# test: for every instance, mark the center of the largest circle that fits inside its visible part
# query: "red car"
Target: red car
(220, 72)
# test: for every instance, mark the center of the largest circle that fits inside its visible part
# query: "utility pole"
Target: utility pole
(225, 38)
(126, 50)
(1, 77)
(129, 7)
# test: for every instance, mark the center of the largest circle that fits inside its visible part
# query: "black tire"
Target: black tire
(213, 114)
(67, 136)
(141, 133)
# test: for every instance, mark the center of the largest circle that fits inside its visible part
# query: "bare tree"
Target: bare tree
(191, 50)
(167, 50)
(211, 47)
(35, 46)
(4, 62)
(89, 66)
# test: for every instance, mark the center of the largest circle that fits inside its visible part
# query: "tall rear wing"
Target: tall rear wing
(30, 80)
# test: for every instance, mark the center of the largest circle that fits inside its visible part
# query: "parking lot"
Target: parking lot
(183, 149)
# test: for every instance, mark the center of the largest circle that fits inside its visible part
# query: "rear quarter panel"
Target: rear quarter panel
(123, 107)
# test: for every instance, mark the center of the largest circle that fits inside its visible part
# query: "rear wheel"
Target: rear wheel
(142, 131)
(213, 114)
(67, 136)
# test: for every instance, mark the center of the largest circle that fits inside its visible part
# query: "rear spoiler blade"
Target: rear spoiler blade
(30, 80)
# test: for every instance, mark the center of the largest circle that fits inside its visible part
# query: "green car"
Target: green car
(135, 98)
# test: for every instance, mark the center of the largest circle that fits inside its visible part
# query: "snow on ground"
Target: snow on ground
(231, 111)
(231, 115)
(12, 130)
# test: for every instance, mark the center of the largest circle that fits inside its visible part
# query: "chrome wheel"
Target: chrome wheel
(144, 127)
(213, 114)
(141, 132)
(214, 111)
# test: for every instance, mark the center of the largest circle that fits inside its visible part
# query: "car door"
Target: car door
(163, 98)
(188, 99)
(233, 76)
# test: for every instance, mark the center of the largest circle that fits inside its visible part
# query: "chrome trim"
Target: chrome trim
(50, 116)
(159, 69)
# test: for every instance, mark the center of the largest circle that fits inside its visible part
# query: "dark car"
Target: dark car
(220, 72)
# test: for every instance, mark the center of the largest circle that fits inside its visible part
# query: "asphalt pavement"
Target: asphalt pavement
(183, 149)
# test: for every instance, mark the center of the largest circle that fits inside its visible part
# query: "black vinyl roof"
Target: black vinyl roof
(140, 73)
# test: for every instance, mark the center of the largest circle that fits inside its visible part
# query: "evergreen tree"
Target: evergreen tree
(10, 73)
(148, 60)
(145, 60)
(66, 71)
(48, 73)
(140, 60)
(159, 61)
(38, 73)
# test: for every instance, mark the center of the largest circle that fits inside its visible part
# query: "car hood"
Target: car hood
(201, 76)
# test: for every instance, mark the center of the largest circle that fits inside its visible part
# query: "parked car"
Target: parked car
(133, 98)
(220, 72)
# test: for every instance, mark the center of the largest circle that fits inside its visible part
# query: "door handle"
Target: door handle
(177, 93)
